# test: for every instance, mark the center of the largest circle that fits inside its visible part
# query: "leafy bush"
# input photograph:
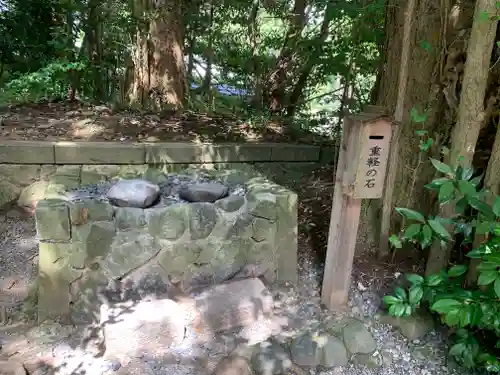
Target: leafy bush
(49, 82)
(473, 312)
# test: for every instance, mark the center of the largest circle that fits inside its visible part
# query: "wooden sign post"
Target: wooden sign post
(361, 169)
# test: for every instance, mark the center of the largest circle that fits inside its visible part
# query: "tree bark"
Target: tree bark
(253, 36)
(423, 92)
(159, 71)
(311, 62)
(278, 78)
(398, 116)
(471, 113)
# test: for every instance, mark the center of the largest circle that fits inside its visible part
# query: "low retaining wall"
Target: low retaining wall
(32, 170)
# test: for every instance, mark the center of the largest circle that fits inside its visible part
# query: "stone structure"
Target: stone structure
(87, 243)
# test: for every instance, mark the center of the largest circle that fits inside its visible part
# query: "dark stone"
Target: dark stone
(133, 193)
(203, 192)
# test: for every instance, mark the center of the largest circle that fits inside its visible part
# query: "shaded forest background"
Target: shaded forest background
(305, 65)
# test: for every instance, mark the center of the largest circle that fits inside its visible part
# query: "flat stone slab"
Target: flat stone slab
(234, 304)
(150, 327)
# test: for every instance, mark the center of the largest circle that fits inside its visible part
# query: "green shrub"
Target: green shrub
(472, 312)
(49, 82)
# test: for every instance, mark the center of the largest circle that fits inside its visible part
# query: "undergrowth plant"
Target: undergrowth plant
(47, 83)
(473, 312)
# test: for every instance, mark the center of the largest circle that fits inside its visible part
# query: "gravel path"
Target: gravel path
(18, 258)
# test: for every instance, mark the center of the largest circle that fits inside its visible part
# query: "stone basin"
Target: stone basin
(87, 243)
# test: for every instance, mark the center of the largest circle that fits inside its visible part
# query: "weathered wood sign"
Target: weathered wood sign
(361, 170)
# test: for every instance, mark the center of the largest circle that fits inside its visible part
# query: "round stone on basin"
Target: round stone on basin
(203, 192)
(133, 193)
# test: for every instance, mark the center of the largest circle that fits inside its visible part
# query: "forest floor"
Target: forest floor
(78, 122)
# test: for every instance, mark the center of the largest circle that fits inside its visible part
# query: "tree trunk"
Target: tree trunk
(422, 92)
(387, 205)
(159, 72)
(471, 111)
(209, 54)
(253, 36)
(278, 78)
(311, 62)
(94, 50)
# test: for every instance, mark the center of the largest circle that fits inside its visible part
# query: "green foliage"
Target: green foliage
(338, 42)
(474, 313)
(47, 83)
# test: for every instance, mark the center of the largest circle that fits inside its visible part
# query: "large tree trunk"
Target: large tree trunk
(471, 111)
(423, 91)
(159, 72)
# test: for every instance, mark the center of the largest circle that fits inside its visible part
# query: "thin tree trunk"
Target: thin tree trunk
(312, 59)
(278, 77)
(471, 111)
(209, 54)
(390, 180)
(253, 35)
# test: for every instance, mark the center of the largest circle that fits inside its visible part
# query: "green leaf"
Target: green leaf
(437, 183)
(434, 280)
(482, 207)
(452, 318)
(412, 230)
(461, 205)
(426, 236)
(439, 229)
(392, 309)
(416, 294)
(421, 133)
(484, 16)
(487, 277)
(400, 293)
(391, 300)
(417, 117)
(425, 146)
(441, 167)
(415, 279)
(457, 270)
(466, 188)
(411, 214)
(445, 305)
(476, 180)
(457, 349)
(465, 317)
(496, 286)
(395, 241)
(467, 174)
(446, 192)
(426, 45)
(487, 266)
(399, 309)
(496, 207)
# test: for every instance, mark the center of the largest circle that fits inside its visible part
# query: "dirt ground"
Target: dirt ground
(77, 122)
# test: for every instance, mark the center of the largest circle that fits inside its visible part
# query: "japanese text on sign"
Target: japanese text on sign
(373, 162)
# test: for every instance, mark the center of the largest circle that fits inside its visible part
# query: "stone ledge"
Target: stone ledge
(26, 152)
(34, 152)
